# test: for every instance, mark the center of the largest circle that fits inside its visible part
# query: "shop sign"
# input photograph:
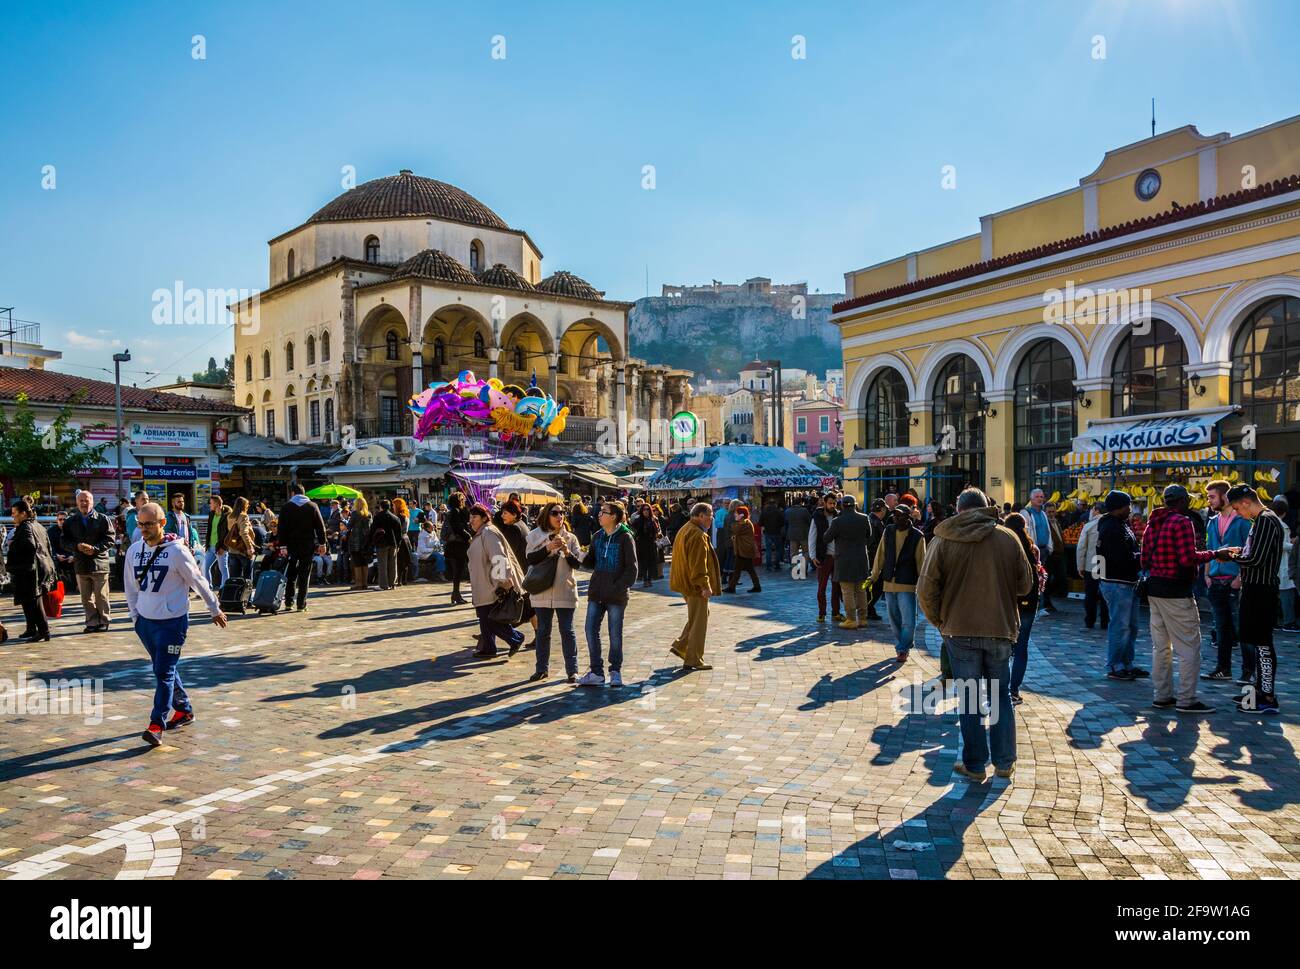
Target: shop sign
(150, 434)
(169, 472)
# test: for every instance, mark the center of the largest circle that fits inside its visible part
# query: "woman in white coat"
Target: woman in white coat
(551, 539)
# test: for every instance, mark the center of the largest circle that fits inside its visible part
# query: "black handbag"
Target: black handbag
(509, 608)
(541, 576)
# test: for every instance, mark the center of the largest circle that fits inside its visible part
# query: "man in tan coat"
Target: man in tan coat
(974, 575)
(695, 574)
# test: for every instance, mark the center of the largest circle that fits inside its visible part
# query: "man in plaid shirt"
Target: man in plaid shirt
(1170, 559)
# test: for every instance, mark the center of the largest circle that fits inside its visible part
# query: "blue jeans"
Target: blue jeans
(212, 557)
(1121, 637)
(902, 619)
(774, 547)
(1021, 656)
(163, 638)
(596, 612)
(568, 643)
(1225, 601)
(974, 660)
(490, 630)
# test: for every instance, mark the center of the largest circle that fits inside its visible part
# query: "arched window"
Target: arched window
(311, 351)
(325, 347)
(266, 363)
(439, 351)
(329, 413)
(476, 256)
(886, 411)
(291, 264)
(248, 369)
(391, 349)
(1148, 376)
(519, 357)
(886, 421)
(480, 349)
(372, 248)
(288, 356)
(958, 397)
(1266, 367)
(1045, 415)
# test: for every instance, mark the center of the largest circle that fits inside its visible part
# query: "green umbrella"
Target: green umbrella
(333, 491)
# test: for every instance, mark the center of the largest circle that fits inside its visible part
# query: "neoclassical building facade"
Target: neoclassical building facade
(1167, 281)
(405, 280)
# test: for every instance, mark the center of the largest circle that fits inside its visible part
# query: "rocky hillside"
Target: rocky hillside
(716, 338)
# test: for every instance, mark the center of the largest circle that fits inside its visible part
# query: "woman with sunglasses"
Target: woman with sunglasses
(552, 539)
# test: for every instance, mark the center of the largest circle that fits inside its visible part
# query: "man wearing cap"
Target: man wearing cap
(1260, 561)
(1170, 559)
(1117, 573)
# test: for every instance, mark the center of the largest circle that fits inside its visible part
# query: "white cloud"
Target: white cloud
(83, 342)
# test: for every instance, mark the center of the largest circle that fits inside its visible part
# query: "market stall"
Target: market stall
(745, 471)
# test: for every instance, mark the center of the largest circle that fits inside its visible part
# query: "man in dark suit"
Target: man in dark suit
(301, 530)
(87, 536)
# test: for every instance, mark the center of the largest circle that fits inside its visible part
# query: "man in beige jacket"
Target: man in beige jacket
(974, 574)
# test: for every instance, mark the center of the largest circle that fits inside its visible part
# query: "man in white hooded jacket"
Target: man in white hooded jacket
(159, 574)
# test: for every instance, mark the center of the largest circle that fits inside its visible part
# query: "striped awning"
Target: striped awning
(1075, 460)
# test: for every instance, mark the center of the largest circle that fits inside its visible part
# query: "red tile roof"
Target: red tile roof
(51, 387)
(1177, 214)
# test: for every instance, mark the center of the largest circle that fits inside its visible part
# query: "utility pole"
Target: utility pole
(118, 360)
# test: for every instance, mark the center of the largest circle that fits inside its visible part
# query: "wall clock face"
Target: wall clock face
(1147, 185)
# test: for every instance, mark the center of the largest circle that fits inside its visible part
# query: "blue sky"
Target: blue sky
(170, 168)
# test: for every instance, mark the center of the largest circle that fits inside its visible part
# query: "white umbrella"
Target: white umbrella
(530, 489)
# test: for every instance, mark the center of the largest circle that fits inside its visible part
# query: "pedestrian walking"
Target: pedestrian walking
(301, 531)
(386, 531)
(32, 572)
(1085, 555)
(456, 536)
(974, 575)
(241, 545)
(899, 555)
(358, 541)
(1040, 530)
(513, 525)
(772, 521)
(798, 522)
(214, 541)
(822, 551)
(1117, 574)
(554, 553)
(646, 533)
(613, 560)
(1027, 605)
(744, 546)
(1259, 562)
(696, 576)
(1170, 559)
(87, 537)
(493, 573)
(159, 576)
(179, 524)
(851, 532)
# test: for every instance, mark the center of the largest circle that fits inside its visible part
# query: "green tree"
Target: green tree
(216, 374)
(832, 461)
(43, 455)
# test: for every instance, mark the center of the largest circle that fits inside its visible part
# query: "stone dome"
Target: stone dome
(567, 284)
(407, 195)
(503, 277)
(435, 264)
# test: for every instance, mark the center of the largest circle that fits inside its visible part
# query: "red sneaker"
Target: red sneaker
(153, 736)
(179, 719)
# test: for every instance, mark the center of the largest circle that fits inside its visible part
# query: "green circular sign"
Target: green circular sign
(684, 426)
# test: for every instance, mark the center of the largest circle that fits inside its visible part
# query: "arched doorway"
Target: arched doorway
(1266, 382)
(1147, 374)
(885, 423)
(958, 396)
(1045, 415)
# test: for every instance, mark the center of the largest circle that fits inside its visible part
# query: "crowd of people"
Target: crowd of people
(981, 574)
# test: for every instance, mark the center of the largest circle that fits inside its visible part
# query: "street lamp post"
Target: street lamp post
(118, 360)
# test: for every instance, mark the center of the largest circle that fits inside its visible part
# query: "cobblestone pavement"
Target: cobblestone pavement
(362, 740)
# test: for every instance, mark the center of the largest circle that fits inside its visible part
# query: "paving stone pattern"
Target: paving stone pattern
(363, 741)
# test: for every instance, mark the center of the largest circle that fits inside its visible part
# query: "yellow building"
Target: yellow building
(1167, 281)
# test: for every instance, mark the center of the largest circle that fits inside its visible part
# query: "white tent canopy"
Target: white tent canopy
(738, 466)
